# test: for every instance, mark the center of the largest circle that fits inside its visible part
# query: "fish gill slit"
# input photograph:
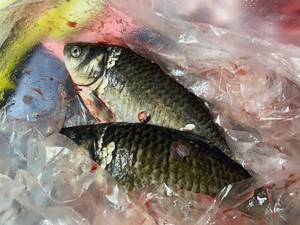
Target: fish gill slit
(89, 69)
(91, 72)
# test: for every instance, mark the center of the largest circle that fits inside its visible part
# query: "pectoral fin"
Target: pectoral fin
(96, 106)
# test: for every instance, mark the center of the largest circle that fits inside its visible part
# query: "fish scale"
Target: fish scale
(135, 84)
(143, 155)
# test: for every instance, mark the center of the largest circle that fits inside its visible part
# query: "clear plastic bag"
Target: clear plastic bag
(230, 53)
(251, 81)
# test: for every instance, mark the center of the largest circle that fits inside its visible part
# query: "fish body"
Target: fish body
(140, 155)
(118, 85)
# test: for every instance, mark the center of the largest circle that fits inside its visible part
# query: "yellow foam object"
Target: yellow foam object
(57, 22)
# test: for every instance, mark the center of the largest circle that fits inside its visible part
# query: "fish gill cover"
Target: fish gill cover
(241, 56)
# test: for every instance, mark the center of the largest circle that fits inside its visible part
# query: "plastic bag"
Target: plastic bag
(50, 180)
(276, 20)
(221, 66)
(251, 83)
(39, 100)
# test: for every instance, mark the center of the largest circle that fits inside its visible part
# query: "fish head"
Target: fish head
(86, 62)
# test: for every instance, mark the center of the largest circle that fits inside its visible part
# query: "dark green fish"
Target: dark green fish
(118, 85)
(139, 155)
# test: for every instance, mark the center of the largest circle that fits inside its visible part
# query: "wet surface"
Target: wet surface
(39, 92)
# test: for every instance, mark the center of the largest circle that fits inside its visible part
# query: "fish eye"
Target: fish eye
(76, 51)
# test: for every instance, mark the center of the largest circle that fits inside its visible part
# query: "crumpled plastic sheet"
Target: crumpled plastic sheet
(51, 181)
(8, 19)
(13, 10)
(273, 19)
(222, 67)
(251, 83)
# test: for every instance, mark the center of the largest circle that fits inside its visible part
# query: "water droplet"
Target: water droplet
(144, 117)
